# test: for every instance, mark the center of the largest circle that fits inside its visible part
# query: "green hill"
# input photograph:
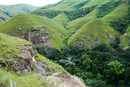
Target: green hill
(8, 11)
(98, 28)
(61, 19)
(64, 5)
(78, 23)
(53, 10)
(24, 22)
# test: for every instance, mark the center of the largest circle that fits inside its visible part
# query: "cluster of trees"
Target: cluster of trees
(102, 66)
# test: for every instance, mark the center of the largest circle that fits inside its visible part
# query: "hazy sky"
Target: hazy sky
(32, 2)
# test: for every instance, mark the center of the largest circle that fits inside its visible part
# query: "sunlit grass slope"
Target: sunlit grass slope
(97, 28)
(119, 12)
(13, 10)
(10, 47)
(78, 23)
(3, 17)
(26, 21)
(89, 33)
(93, 3)
(61, 19)
(64, 5)
(67, 5)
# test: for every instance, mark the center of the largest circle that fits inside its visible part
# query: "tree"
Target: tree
(116, 67)
(101, 47)
(87, 63)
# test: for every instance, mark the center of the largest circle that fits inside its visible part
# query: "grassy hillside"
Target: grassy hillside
(89, 33)
(12, 10)
(53, 10)
(64, 5)
(61, 19)
(26, 21)
(7, 11)
(78, 23)
(3, 16)
(10, 47)
(97, 28)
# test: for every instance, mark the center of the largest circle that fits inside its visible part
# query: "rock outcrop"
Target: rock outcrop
(64, 80)
(109, 36)
(27, 63)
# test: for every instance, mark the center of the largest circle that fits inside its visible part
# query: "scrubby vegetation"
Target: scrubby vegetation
(98, 67)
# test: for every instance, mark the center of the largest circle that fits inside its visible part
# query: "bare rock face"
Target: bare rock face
(125, 48)
(123, 35)
(64, 80)
(27, 63)
(43, 39)
(78, 46)
(109, 36)
(28, 52)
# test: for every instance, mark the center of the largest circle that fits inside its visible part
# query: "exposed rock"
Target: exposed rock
(27, 63)
(28, 52)
(123, 35)
(64, 80)
(27, 36)
(39, 68)
(126, 48)
(109, 36)
(97, 41)
(78, 46)
(42, 40)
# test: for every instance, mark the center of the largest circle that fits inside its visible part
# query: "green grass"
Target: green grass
(93, 3)
(124, 41)
(13, 10)
(66, 5)
(10, 46)
(119, 12)
(29, 80)
(2, 14)
(26, 21)
(50, 66)
(91, 31)
(96, 27)
(78, 23)
(61, 19)
(9, 11)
